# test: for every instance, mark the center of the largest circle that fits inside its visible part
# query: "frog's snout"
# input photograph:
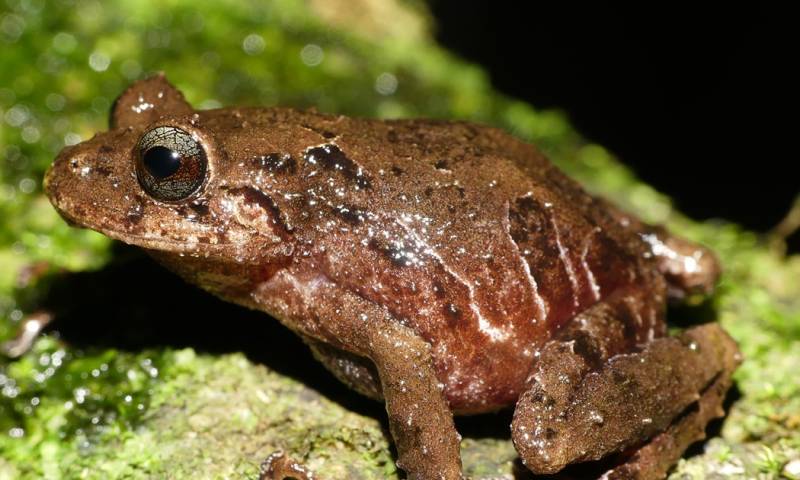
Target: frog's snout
(54, 188)
(70, 181)
(60, 172)
(52, 179)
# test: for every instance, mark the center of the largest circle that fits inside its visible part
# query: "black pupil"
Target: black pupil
(161, 162)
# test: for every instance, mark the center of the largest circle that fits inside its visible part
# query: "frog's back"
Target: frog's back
(464, 233)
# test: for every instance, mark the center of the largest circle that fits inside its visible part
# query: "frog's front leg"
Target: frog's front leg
(586, 400)
(420, 419)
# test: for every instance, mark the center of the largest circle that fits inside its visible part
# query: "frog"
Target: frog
(441, 267)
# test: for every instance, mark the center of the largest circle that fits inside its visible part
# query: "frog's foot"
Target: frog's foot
(654, 459)
(29, 330)
(669, 391)
(280, 467)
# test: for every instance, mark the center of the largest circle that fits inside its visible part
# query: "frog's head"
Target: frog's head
(168, 178)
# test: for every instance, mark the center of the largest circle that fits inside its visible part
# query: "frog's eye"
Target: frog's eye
(170, 164)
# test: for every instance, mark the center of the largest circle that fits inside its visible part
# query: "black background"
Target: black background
(693, 97)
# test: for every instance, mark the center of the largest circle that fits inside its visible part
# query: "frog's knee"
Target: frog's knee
(688, 267)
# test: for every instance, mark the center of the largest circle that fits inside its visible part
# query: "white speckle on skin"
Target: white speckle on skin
(589, 274)
(421, 246)
(142, 105)
(563, 254)
(534, 285)
(596, 418)
(691, 263)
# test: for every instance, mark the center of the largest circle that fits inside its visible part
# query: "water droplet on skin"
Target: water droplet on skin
(596, 418)
(330, 157)
(276, 163)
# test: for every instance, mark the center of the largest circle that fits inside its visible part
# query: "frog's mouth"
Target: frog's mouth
(187, 245)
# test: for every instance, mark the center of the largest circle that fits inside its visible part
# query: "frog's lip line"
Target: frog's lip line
(162, 245)
(151, 243)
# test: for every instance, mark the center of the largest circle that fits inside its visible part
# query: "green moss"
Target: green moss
(217, 416)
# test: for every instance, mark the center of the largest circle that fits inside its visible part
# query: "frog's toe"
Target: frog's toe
(278, 466)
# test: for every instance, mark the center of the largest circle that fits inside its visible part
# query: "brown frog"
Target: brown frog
(443, 267)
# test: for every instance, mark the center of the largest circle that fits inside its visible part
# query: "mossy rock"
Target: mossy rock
(141, 399)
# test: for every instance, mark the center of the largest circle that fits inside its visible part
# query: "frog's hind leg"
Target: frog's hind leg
(688, 267)
(587, 400)
(656, 457)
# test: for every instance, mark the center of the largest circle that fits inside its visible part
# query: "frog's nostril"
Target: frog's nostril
(79, 164)
(76, 162)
